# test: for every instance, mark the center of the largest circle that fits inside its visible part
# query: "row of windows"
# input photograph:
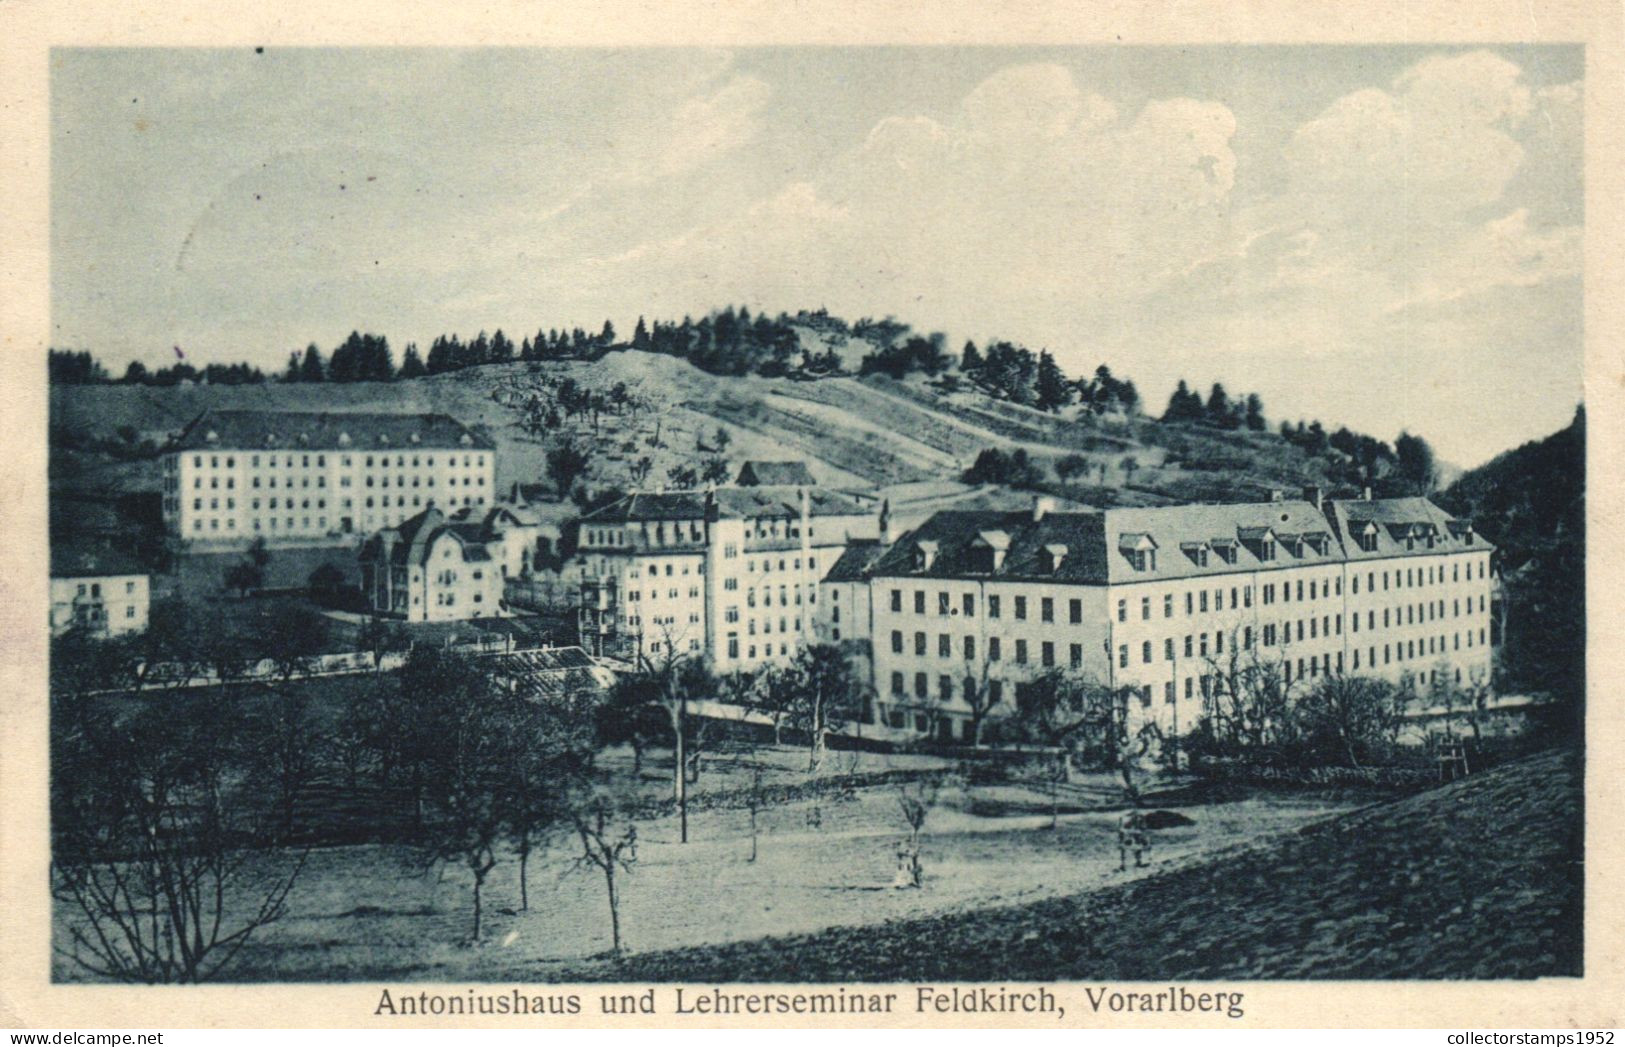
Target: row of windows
(476, 461)
(995, 606)
(995, 649)
(975, 693)
(733, 648)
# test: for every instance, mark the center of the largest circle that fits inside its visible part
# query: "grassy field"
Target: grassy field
(375, 911)
(1479, 879)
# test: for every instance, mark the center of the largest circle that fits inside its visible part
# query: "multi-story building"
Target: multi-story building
(729, 574)
(1169, 601)
(290, 477)
(430, 569)
(98, 591)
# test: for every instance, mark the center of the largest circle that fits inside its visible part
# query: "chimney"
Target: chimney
(887, 537)
(1311, 494)
(1276, 495)
(1042, 504)
(1365, 494)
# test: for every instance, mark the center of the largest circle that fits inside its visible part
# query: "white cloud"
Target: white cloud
(707, 127)
(1438, 140)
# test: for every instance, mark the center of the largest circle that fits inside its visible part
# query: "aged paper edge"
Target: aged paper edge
(30, 30)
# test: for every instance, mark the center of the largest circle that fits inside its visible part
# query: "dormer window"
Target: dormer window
(1196, 551)
(344, 439)
(1266, 549)
(1052, 557)
(466, 441)
(1226, 550)
(993, 545)
(925, 554)
(1140, 549)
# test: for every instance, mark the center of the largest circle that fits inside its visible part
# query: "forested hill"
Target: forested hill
(1531, 502)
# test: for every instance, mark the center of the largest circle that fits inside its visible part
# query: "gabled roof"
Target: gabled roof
(409, 542)
(328, 431)
(759, 474)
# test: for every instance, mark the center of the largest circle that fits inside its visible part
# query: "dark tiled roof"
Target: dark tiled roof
(411, 538)
(86, 559)
(326, 431)
(762, 474)
(855, 561)
(1393, 518)
(1098, 544)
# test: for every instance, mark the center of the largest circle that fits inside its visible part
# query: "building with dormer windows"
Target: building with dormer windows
(1167, 602)
(305, 477)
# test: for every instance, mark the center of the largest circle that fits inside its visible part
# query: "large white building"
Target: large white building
(286, 476)
(729, 574)
(1165, 601)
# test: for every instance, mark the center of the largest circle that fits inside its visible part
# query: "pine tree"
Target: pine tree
(1179, 404)
(1217, 412)
(1051, 392)
(640, 337)
(970, 359)
(606, 337)
(411, 364)
(311, 369)
(292, 373)
(1255, 413)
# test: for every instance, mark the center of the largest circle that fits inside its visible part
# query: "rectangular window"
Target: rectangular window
(944, 646)
(992, 648)
(1021, 652)
(1145, 608)
(942, 604)
(1046, 609)
(1122, 610)
(919, 645)
(1122, 656)
(919, 602)
(970, 605)
(992, 606)
(1145, 652)
(1168, 649)
(1074, 611)
(1046, 653)
(1021, 608)
(897, 601)
(970, 648)
(1077, 656)
(1168, 605)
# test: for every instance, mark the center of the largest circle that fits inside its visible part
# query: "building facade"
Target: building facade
(431, 569)
(98, 592)
(289, 477)
(1172, 603)
(730, 574)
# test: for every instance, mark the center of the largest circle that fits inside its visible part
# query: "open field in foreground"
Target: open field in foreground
(1482, 878)
(371, 912)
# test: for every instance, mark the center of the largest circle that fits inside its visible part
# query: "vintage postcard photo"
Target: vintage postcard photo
(891, 534)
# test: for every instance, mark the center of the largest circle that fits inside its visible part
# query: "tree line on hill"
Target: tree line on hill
(67, 367)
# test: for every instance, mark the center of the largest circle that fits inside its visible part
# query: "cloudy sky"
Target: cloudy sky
(1377, 237)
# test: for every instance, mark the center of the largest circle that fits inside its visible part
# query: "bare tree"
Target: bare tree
(1351, 713)
(150, 832)
(288, 753)
(914, 800)
(465, 790)
(550, 745)
(825, 695)
(755, 800)
(609, 843)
